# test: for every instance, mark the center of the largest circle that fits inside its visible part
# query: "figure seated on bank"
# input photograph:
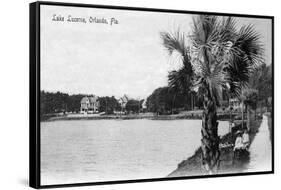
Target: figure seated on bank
(246, 139)
(238, 142)
(241, 144)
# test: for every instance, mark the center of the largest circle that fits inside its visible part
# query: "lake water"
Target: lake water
(108, 150)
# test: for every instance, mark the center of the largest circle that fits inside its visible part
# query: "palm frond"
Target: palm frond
(174, 42)
(180, 80)
(249, 46)
(238, 75)
(245, 56)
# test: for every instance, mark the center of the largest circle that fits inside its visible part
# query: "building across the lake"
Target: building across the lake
(144, 106)
(89, 104)
(123, 101)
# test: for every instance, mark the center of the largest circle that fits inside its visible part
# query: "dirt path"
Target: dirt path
(260, 149)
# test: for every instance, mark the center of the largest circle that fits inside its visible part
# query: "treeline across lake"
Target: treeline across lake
(162, 101)
(165, 100)
(59, 102)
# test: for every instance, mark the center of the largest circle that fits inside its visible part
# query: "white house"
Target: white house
(144, 104)
(89, 104)
(123, 101)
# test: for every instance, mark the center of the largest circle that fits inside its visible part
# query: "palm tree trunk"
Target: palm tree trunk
(210, 139)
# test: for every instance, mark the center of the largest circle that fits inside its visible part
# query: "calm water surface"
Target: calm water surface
(106, 150)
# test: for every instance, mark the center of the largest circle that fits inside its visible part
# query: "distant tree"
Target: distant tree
(74, 102)
(153, 101)
(156, 102)
(163, 101)
(53, 102)
(133, 106)
(261, 80)
(108, 104)
(250, 99)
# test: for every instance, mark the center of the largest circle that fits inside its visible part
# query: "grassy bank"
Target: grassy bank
(228, 164)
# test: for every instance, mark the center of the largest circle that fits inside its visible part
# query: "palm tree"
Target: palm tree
(218, 56)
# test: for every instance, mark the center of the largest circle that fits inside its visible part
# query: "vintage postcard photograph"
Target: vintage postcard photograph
(142, 94)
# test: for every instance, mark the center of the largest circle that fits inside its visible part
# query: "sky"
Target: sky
(113, 60)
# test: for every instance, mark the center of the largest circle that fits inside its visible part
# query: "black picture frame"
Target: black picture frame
(34, 98)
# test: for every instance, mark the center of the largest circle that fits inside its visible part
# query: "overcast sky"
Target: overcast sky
(103, 59)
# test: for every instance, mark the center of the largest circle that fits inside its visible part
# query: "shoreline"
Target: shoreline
(191, 116)
(192, 165)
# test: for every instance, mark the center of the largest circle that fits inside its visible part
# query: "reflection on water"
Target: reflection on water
(106, 150)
